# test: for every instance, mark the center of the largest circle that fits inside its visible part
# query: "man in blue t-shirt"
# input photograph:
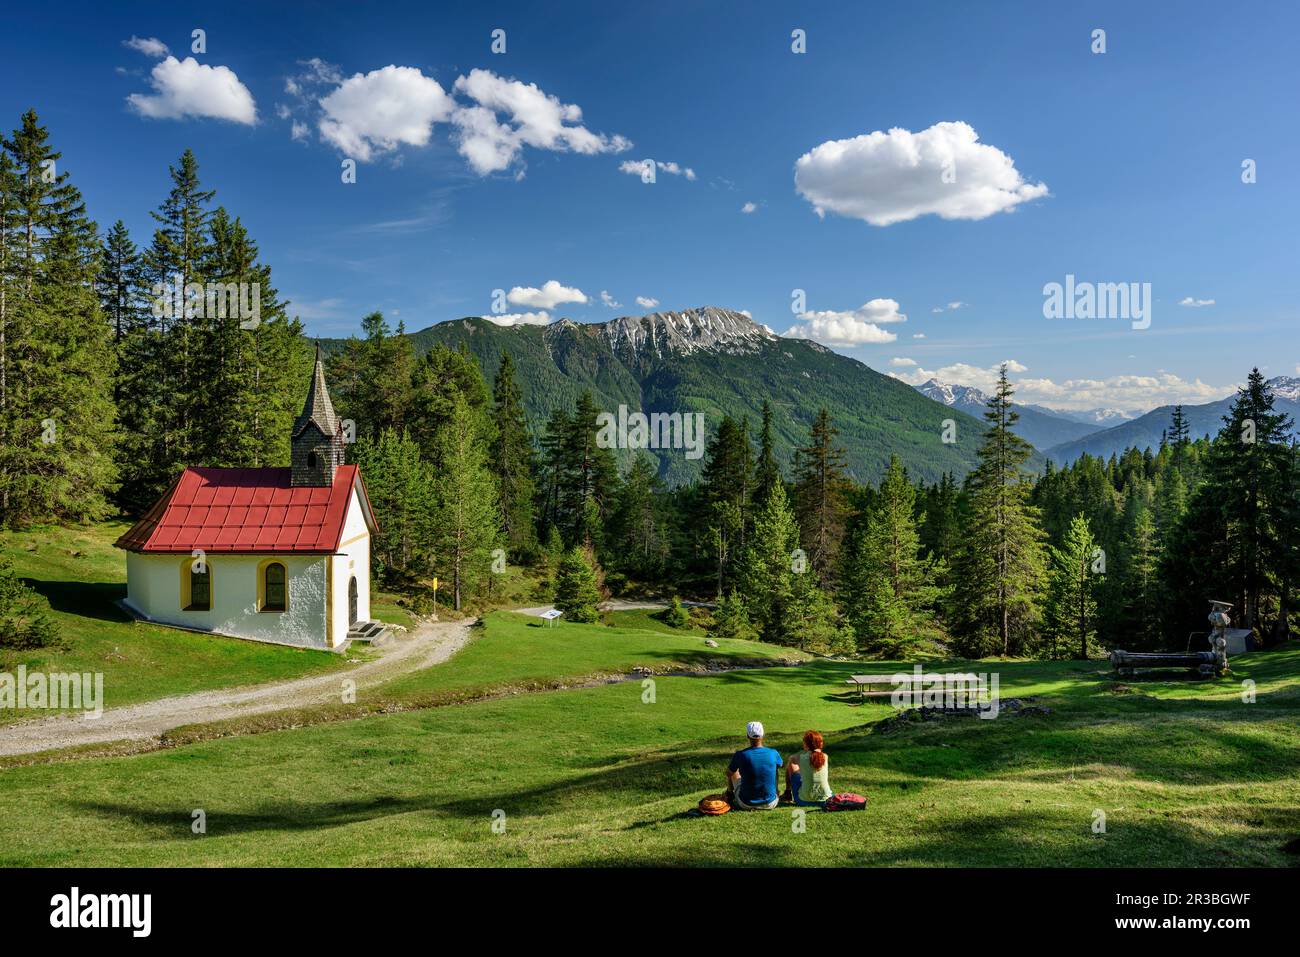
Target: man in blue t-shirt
(751, 775)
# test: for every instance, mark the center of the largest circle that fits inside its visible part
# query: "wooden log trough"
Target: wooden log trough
(1205, 664)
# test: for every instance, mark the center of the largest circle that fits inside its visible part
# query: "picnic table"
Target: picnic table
(882, 686)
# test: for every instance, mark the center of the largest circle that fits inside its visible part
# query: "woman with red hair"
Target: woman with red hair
(807, 774)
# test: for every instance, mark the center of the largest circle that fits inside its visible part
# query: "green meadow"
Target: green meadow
(80, 574)
(603, 772)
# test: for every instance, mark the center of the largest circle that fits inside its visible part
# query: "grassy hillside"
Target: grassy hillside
(1186, 773)
(80, 575)
(876, 414)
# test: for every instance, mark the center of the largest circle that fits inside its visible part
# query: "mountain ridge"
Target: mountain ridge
(718, 361)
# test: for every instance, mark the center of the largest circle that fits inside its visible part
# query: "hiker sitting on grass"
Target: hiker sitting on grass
(751, 775)
(807, 775)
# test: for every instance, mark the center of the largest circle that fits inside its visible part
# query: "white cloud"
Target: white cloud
(638, 167)
(902, 362)
(673, 169)
(376, 112)
(609, 300)
(885, 178)
(1131, 392)
(509, 114)
(187, 87)
(1195, 303)
(918, 335)
(950, 307)
(149, 46)
(645, 302)
(551, 294)
(850, 327)
(749, 208)
(541, 318)
(299, 131)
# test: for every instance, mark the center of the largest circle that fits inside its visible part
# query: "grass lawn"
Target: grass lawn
(521, 652)
(80, 574)
(647, 618)
(1187, 774)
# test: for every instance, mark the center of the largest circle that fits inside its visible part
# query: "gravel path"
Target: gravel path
(430, 644)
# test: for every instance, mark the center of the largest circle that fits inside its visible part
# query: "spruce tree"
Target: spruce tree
(513, 462)
(24, 623)
(730, 619)
(637, 528)
(164, 442)
(250, 368)
(1139, 594)
(767, 473)
(820, 494)
(553, 471)
(466, 521)
(56, 357)
(768, 566)
(895, 615)
(589, 488)
(400, 486)
(998, 573)
(371, 377)
(1071, 624)
(577, 588)
(727, 481)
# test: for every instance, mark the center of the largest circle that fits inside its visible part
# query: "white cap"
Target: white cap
(754, 729)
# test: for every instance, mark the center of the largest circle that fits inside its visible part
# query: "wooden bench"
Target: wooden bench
(883, 686)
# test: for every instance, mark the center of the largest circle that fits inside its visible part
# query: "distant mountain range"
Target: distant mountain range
(1145, 431)
(1040, 426)
(718, 361)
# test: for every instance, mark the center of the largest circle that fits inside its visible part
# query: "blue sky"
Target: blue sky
(1122, 166)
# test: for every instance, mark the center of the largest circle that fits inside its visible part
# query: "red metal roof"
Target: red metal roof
(248, 510)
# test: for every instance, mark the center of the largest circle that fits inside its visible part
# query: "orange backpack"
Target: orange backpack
(715, 804)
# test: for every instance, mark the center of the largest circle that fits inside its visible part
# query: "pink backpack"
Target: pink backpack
(848, 801)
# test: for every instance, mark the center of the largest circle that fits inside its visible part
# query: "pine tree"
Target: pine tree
(513, 462)
(163, 440)
(895, 615)
(1233, 541)
(730, 619)
(1072, 603)
(441, 380)
(400, 486)
(24, 624)
(577, 590)
(767, 567)
(820, 491)
(938, 528)
(1139, 594)
(465, 519)
(249, 356)
(56, 357)
(558, 427)
(727, 482)
(999, 570)
(121, 284)
(589, 487)
(637, 528)
(809, 620)
(371, 377)
(767, 474)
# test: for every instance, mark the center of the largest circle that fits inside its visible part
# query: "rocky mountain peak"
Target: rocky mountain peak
(707, 328)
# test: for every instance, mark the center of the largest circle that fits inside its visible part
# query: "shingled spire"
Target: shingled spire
(317, 438)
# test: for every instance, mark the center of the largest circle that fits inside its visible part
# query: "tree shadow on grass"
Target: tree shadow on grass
(87, 599)
(279, 816)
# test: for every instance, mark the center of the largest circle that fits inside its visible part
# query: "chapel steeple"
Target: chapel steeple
(317, 437)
